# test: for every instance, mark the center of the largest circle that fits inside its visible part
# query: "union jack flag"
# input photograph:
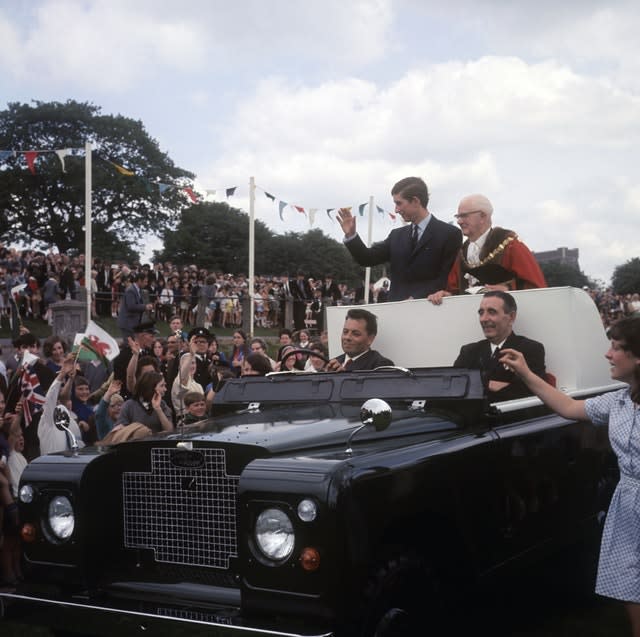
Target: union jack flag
(33, 397)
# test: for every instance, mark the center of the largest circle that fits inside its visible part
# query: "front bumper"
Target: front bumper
(90, 618)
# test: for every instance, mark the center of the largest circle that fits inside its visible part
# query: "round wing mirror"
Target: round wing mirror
(61, 418)
(376, 412)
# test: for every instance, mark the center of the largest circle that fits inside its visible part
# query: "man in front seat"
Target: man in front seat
(497, 314)
(359, 332)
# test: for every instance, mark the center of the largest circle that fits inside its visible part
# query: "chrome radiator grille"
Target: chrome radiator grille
(185, 514)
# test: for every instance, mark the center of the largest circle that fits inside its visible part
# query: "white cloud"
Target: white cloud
(590, 36)
(632, 200)
(117, 45)
(513, 130)
(96, 45)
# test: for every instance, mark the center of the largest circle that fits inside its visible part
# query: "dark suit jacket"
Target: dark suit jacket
(131, 308)
(331, 291)
(413, 273)
(478, 356)
(305, 295)
(370, 360)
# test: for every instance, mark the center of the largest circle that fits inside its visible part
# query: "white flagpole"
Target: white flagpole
(87, 226)
(367, 272)
(252, 240)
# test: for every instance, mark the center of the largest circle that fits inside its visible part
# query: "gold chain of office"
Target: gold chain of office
(491, 254)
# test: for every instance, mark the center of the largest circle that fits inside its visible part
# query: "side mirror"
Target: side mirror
(61, 421)
(375, 412)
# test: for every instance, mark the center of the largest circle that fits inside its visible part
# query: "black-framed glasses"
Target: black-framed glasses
(464, 215)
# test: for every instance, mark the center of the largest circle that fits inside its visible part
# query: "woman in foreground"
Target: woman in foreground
(619, 566)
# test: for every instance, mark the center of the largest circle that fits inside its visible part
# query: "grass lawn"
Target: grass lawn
(42, 330)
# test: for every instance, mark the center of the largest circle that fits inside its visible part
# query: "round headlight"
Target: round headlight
(26, 494)
(61, 517)
(307, 510)
(274, 534)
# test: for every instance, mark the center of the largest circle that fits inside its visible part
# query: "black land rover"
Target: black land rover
(319, 504)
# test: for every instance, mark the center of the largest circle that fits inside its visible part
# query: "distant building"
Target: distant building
(559, 255)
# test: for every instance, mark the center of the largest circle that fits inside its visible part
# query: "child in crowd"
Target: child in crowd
(80, 393)
(108, 409)
(195, 407)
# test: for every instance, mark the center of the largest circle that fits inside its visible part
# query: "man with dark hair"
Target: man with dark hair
(420, 254)
(330, 291)
(359, 332)
(132, 305)
(497, 313)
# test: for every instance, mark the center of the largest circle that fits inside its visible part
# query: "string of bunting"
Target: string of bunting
(30, 157)
(311, 212)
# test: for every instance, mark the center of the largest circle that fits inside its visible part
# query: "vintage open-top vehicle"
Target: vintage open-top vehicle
(329, 503)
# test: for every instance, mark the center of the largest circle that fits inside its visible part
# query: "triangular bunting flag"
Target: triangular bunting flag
(231, 191)
(30, 156)
(361, 208)
(121, 169)
(61, 155)
(192, 195)
(163, 187)
(281, 206)
(329, 211)
(380, 210)
(5, 154)
(312, 215)
(300, 209)
(269, 196)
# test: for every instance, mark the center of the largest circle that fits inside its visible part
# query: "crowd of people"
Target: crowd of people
(613, 306)
(198, 296)
(205, 298)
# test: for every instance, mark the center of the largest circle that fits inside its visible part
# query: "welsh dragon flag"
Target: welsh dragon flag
(95, 343)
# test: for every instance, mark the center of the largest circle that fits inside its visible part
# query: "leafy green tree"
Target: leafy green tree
(47, 208)
(315, 254)
(626, 277)
(561, 274)
(216, 237)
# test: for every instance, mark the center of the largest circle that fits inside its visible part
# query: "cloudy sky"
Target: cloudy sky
(535, 104)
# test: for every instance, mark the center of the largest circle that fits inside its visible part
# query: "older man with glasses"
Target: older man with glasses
(491, 258)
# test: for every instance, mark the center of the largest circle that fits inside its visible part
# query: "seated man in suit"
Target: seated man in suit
(497, 314)
(359, 332)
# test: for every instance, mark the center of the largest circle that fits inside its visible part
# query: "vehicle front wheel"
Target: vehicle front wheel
(401, 598)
